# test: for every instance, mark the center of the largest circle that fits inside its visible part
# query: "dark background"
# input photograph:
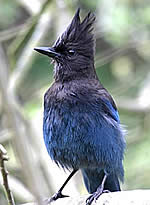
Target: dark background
(122, 32)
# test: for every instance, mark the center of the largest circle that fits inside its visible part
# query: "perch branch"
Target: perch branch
(133, 197)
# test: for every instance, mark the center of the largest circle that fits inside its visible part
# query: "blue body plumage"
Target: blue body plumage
(82, 129)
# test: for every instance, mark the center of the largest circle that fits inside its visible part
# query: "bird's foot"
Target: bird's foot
(56, 196)
(96, 195)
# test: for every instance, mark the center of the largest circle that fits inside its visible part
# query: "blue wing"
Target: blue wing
(110, 109)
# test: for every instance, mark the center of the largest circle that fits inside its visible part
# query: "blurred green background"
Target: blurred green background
(122, 60)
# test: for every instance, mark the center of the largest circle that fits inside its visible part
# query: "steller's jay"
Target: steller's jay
(81, 123)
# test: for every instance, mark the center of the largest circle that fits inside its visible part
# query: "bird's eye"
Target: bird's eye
(71, 52)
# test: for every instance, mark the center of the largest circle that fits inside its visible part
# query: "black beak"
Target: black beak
(47, 51)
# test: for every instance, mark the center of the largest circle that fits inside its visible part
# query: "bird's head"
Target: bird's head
(73, 51)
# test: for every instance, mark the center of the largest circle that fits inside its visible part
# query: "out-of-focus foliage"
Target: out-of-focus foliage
(122, 59)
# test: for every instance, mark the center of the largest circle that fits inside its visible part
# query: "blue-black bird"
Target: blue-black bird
(81, 125)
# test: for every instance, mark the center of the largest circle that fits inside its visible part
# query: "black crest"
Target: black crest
(78, 33)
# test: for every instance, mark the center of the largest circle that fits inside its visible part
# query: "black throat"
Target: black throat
(64, 73)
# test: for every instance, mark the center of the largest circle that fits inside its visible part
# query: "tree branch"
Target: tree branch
(3, 158)
(25, 59)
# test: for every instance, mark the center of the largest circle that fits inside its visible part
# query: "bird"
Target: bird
(81, 124)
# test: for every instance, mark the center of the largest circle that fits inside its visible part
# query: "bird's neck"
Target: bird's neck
(62, 74)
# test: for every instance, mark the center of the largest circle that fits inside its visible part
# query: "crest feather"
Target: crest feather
(78, 30)
(87, 23)
(75, 21)
(79, 34)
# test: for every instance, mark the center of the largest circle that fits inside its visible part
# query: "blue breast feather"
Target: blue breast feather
(79, 135)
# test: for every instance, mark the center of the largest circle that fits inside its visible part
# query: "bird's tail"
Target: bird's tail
(93, 179)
